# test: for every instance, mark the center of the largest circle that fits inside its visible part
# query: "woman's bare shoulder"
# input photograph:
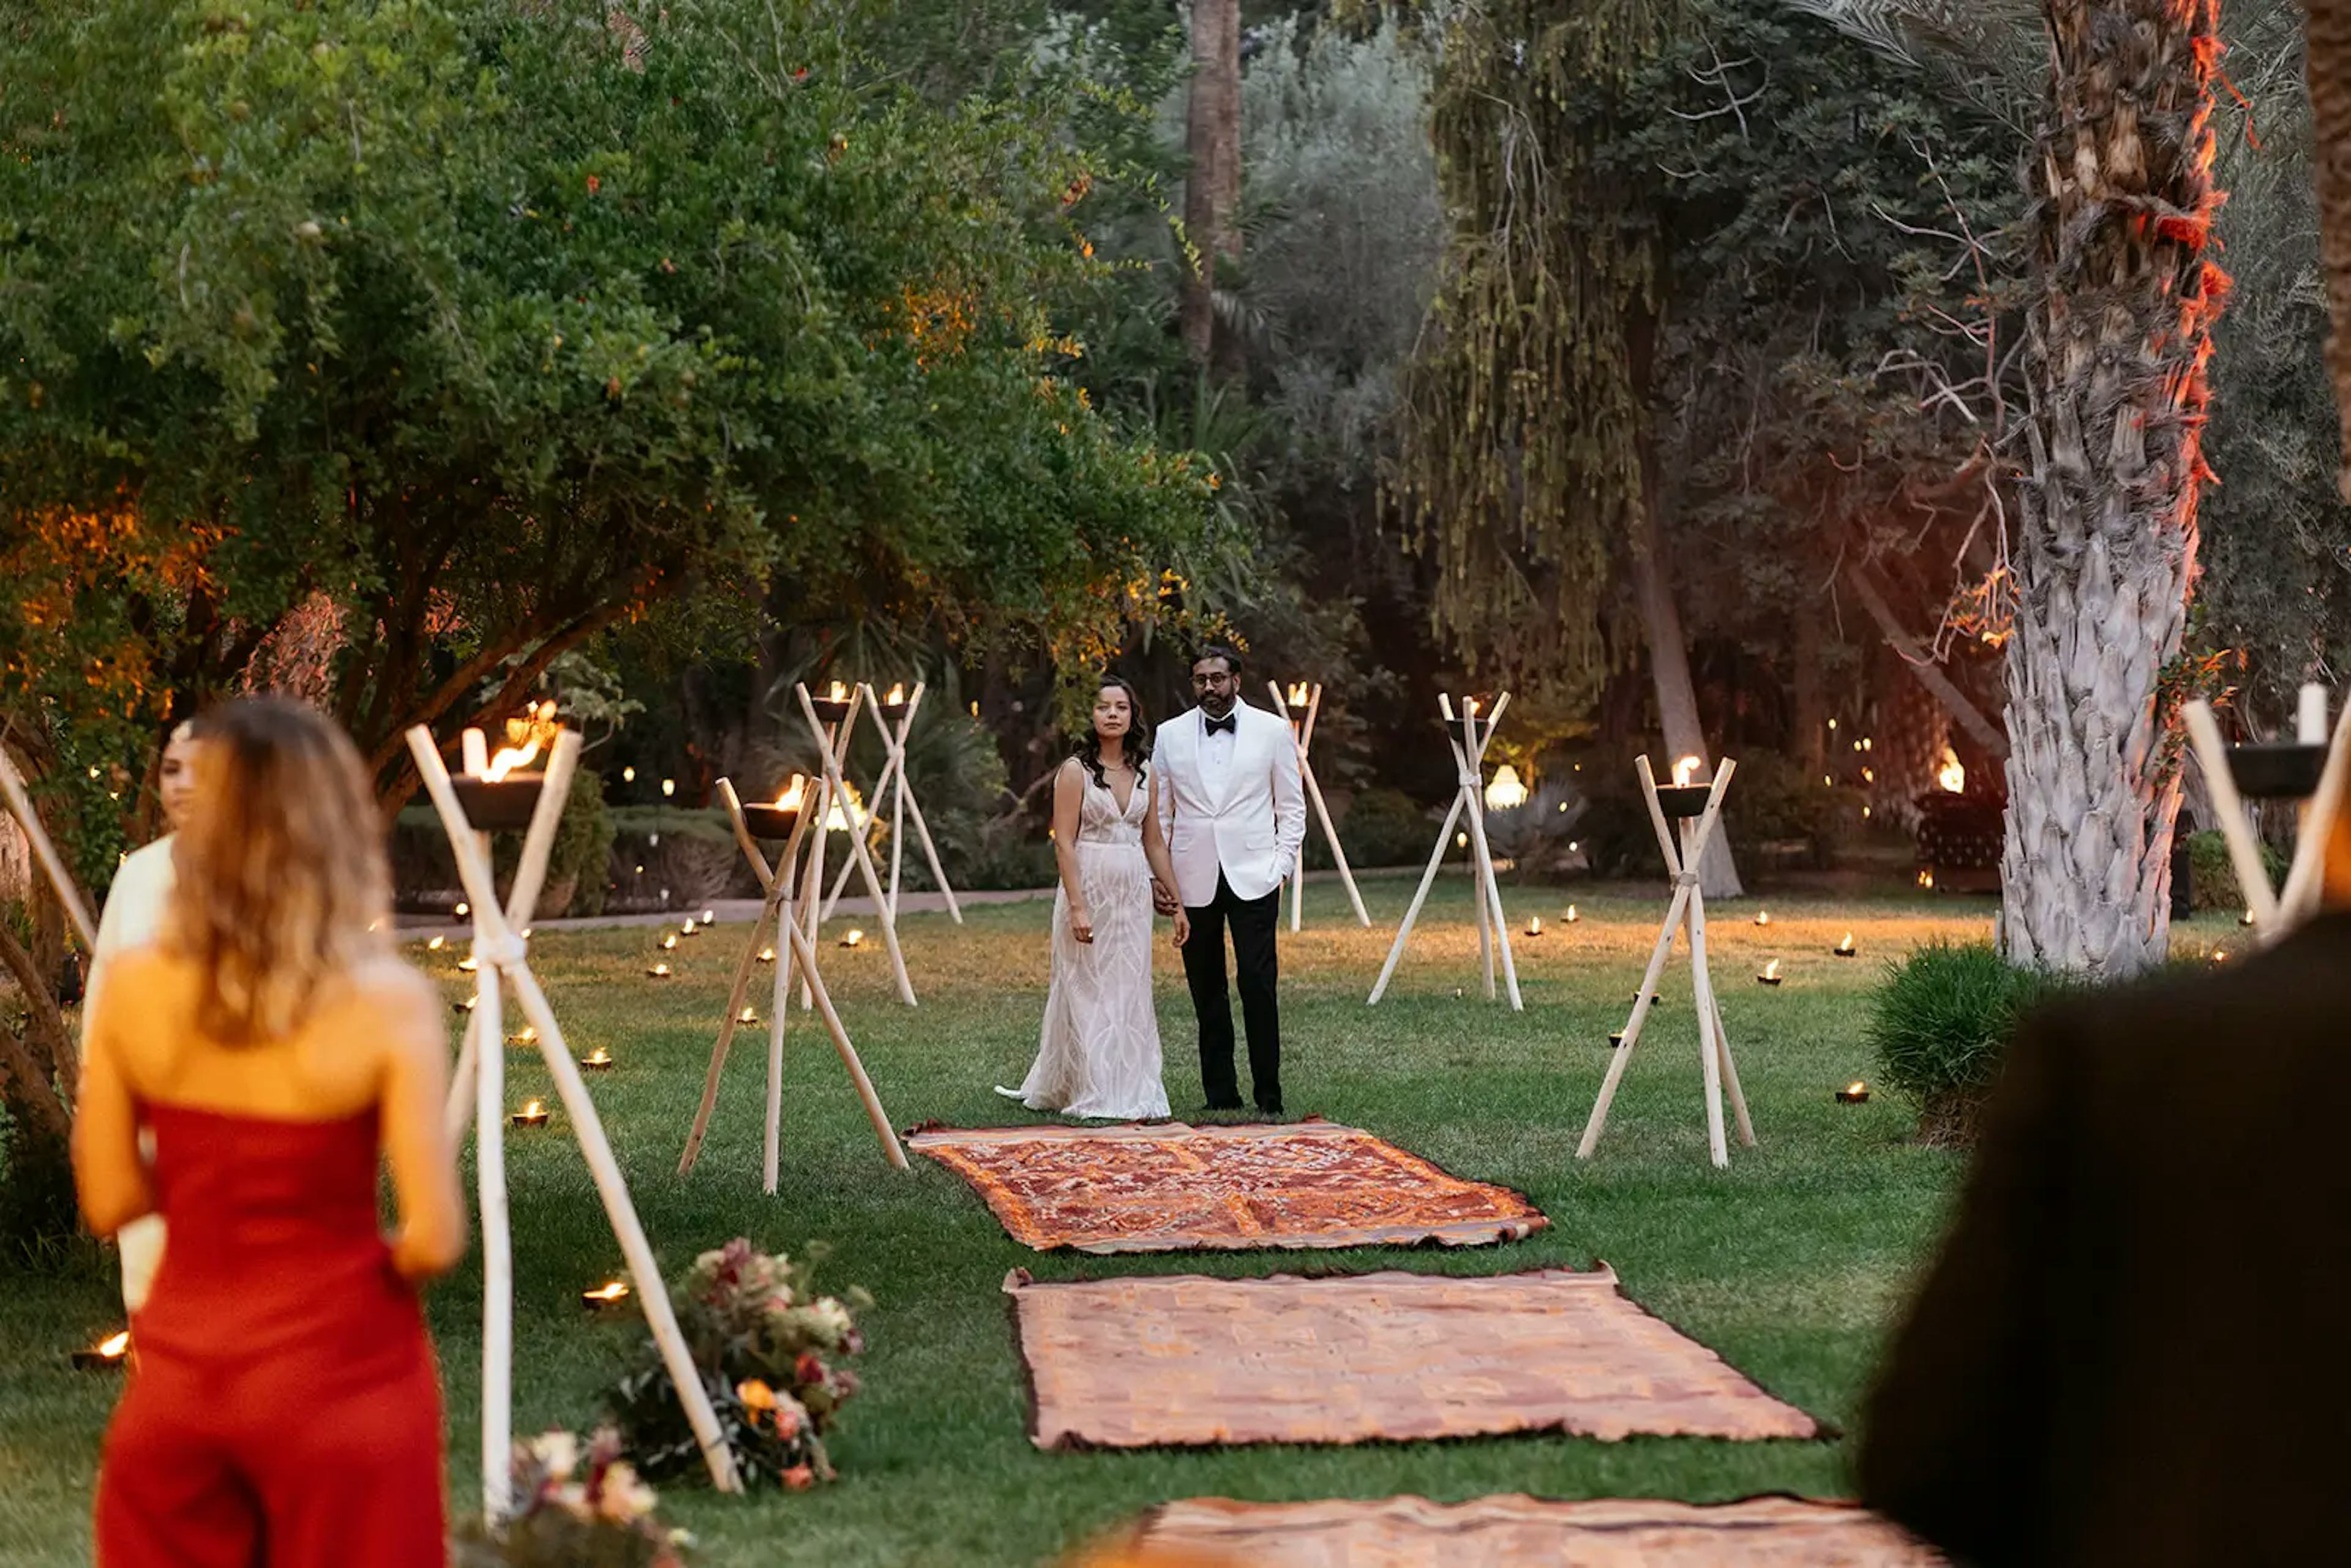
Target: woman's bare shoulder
(391, 990)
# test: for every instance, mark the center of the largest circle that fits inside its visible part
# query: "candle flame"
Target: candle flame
(1685, 771)
(854, 939)
(531, 1110)
(1470, 705)
(1535, 925)
(1298, 693)
(436, 944)
(528, 1036)
(789, 797)
(1857, 1087)
(469, 966)
(615, 1292)
(115, 1347)
(1771, 970)
(766, 955)
(669, 942)
(1572, 916)
(1952, 775)
(747, 1016)
(1845, 943)
(1763, 918)
(599, 1057)
(897, 697)
(838, 693)
(659, 971)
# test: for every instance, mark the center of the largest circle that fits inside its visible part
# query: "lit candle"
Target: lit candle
(659, 971)
(110, 1351)
(709, 917)
(1763, 918)
(669, 786)
(690, 928)
(1853, 1093)
(463, 909)
(1927, 880)
(1572, 916)
(525, 1035)
(897, 697)
(1686, 770)
(436, 944)
(628, 775)
(1535, 925)
(2246, 918)
(838, 693)
(1460, 840)
(747, 1016)
(469, 965)
(669, 942)
(532, 1115)
(854, 939)
(466, 1005)
(1771, 974)
(1298, 693)
(766, 955)
(604, 1297)
(1845, 947)
(597, 1061)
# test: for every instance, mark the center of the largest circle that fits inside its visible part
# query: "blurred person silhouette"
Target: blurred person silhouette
(283, 1406)
(2131, 1347)
(132, 918)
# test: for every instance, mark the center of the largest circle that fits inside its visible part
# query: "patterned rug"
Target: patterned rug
(1165, 1187)
(1182, 1360)
(1518, 1531)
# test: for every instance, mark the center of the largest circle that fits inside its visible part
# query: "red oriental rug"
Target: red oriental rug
(1182, 1360)
(1165, 1186)
(1518, 1531)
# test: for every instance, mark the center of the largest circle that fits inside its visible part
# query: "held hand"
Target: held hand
(1081, 924)
(1183, 926)
(1162, 900)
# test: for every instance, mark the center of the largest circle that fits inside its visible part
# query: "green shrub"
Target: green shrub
(1773, 799)
(2212, 875)
(1939, 1025)
(1380, 827)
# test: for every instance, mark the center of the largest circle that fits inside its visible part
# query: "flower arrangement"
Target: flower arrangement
(567, 1516)
(770, 1351)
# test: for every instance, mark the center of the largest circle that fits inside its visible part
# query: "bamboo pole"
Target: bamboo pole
(1485, 899)
(1305, 733)
(857, 848)
(1420, 896)
(1710, 1062)
(21, 803)
(2305, 881)
(1473, 793)
(511, 957)
(2236, 827)
(774, 907)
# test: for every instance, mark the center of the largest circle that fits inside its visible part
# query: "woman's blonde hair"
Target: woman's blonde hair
(280, 876)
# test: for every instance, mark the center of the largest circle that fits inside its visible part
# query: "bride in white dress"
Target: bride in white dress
(1099, 1053)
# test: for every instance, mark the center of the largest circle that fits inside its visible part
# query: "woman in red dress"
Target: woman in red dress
(283, 1408)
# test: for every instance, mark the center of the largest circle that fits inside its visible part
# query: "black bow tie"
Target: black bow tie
(1229, 725)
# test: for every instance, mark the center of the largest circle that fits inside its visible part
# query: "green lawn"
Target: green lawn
(1788, 1263)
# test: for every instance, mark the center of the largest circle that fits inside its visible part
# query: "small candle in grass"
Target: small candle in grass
(710, 918)
(526, 1035)
(1763, 918)
(1853, 1093)
(2246, 918)
(669, 942)
(1845, 947)
(597, 1061)
(468, 965)
(532, 1115)
(436, 943)
(854, 939)
(605, 1297)
(1535, 925)
(766, 955)
(659, 971)
(466, 1005)
(107, 1354)
(747, 1015)
(690, 928)
(1771, 974)
(1572, 916)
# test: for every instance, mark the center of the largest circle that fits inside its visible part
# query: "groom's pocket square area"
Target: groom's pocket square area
(1165, 1187)
(1184, 1360)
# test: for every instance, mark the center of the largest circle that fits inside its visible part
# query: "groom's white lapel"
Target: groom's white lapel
(1215, 787)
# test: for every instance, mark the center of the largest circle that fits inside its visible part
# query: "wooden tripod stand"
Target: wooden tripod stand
(1301, 726)
(2276, 913)
(1493, 925)
(1698, 808)
(503, 960)
(896, 783)
(830, 722)
(793, 946)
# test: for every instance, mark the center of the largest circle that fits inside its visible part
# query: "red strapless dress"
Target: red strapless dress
(283, 1406)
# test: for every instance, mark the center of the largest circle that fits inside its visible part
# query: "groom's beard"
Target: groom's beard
(1215, 706)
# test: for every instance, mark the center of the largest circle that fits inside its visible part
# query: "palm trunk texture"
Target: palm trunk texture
(2118, 334)
(2329, 64)
(1212, 188)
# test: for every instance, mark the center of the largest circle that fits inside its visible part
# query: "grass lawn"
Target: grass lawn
(1788, 1263)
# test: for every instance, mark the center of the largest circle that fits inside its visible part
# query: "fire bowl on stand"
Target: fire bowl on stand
(2279, 771)
(1682, 800)
(771, 822)
(496, 805)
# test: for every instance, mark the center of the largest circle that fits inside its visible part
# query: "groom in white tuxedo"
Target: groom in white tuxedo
(1234, 814)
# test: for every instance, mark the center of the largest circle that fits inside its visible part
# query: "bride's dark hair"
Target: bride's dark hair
(1138, 732)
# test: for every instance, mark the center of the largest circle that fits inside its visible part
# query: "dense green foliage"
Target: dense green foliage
(1939, 1025)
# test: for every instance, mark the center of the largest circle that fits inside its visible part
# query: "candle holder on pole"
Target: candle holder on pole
(894, 718)
(785, 820)
(1308, 696)
(1493, 927)
(2309, 769)
(1697, 809)
(830, 722)
(503, 962)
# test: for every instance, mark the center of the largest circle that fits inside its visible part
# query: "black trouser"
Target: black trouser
(1253, 921)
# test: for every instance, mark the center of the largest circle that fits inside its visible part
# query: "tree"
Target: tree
(2117, 336)
(1528, 466)
(2330, 99)
(1212, 186)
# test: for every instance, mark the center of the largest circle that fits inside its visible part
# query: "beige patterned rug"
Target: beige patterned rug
(1183, 1360)
(1514, 1532)
(1165, 1186)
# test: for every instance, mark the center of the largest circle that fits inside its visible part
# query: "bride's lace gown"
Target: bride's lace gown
(1098, 1053)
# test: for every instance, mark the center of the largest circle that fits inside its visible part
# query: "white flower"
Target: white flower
(831, 1320)
(557, 1453)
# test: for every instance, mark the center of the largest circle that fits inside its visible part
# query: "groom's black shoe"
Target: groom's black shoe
(1265, 1109)
(1224, 1105)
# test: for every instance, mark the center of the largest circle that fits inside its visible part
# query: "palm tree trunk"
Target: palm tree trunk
(2117, 336)
(2329, 64)
(1212, 189)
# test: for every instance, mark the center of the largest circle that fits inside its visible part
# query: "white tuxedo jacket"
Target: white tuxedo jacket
(1245, 819)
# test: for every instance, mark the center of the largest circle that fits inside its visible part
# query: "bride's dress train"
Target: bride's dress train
(1099, 1053)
